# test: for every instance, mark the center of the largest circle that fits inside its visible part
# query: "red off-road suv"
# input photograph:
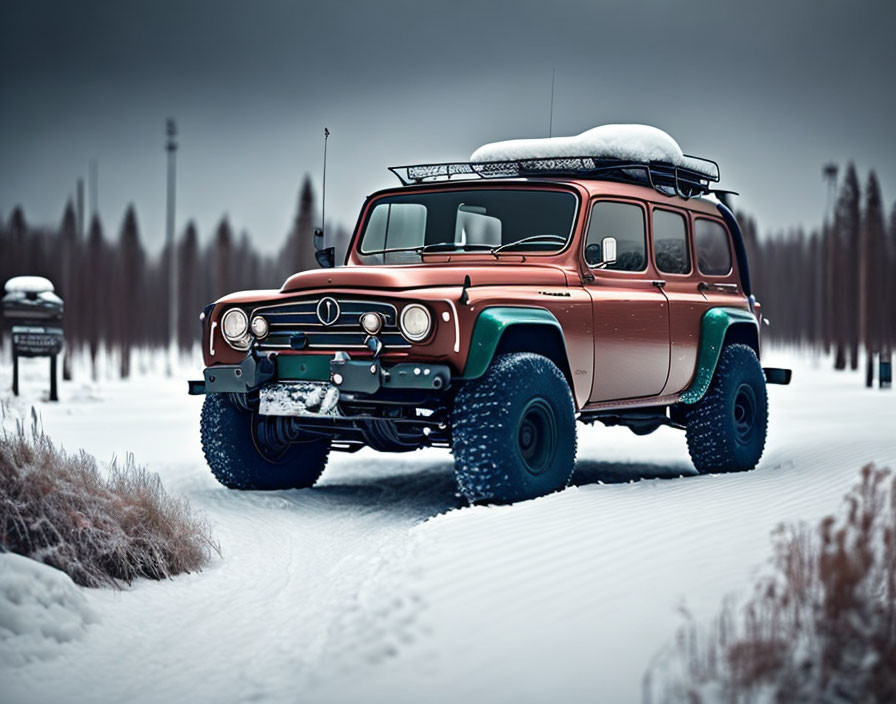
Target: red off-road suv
(485, 307)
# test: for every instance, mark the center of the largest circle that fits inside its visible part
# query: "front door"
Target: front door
(631, 312)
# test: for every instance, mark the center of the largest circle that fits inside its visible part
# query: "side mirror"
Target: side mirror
(608, 250)
(325, 256)
(601, 255)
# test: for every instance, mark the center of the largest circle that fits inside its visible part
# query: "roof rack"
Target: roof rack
(668, 179)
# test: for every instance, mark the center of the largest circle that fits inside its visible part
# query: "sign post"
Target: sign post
(34, 313)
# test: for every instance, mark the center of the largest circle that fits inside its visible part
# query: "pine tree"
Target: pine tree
(826, 270)
(189, 288)
(299, 254)
(127, 302)
(223, 259)
(874, 268)
(69, 256)
(246, 274)
(847, 224)
(95, 308)
(890, 280)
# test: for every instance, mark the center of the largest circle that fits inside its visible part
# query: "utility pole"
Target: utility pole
(830, 324)
(93, 183)
(829, 173)
(171, 148)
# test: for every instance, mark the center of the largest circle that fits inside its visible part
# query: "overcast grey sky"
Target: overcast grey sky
(771, 90)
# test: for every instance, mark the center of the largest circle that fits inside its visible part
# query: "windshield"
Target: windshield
(401, 228)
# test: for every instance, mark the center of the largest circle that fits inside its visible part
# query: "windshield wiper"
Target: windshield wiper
(448, 246)
(525, 240)
(435, 246)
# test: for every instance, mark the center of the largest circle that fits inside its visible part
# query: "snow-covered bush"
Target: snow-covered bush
(57, 508)
(820, 628)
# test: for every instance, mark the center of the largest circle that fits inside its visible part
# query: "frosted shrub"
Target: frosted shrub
(821, 628)
(57, 508)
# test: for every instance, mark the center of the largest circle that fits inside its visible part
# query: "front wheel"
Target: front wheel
(244, 451)
(513, 431)
(726, 429)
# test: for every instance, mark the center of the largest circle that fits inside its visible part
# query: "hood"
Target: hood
(426, 275)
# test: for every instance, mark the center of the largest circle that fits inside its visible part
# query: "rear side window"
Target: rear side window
(670, 242)
(625, 222)
(713, 249)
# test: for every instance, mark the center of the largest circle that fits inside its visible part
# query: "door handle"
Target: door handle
(727, 288)
(659, 283)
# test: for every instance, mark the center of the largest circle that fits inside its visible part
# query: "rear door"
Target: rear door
(674, 261)
(631, 314)
(712, 281)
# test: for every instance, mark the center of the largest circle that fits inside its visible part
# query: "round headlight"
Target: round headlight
(235, 326)
(259, 327)
(372, 323)
(415, 322)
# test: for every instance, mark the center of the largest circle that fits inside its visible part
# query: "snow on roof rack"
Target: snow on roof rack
(669, 179)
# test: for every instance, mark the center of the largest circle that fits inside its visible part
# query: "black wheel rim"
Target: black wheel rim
(537, 435)
(744, 413)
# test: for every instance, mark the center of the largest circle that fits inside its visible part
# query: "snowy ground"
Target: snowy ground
(377, 586)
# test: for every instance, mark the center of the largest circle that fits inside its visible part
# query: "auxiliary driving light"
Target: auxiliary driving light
(372, 323)
(416, 322)
(259, 327)
(235, 326)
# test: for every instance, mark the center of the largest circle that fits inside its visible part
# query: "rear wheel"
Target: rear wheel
(513, 430)
(248, 451)
(726, 429)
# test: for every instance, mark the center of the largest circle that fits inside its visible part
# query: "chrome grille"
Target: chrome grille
(345, 332)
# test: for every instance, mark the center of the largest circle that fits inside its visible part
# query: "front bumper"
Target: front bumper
(364, 377)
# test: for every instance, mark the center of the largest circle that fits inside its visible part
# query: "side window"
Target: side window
(625, 222)
(670, 242)
(713, 250)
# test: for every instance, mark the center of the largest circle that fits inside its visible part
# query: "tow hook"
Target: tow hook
(374, 344)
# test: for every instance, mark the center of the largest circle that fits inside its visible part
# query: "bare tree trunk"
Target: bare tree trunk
(125, 362)
(885, 373)
(840, 357)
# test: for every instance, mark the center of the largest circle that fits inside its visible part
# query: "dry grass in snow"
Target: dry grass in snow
(820, 628)
(57, 508)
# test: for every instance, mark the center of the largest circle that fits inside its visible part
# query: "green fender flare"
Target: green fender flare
(714, 325)
(491, 324)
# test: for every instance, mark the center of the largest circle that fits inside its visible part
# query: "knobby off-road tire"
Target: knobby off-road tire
(513, 431)
(726, 429)
(238, 460)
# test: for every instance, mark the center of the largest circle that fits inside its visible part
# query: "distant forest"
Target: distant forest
(117, 295)
(832, 289)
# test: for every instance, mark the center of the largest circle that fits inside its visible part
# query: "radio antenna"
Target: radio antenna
(551, 118)
(323, 194)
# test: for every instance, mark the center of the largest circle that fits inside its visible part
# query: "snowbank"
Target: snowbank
(640, 143)
(40, 608)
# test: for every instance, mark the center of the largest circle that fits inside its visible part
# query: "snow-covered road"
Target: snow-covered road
(373, 586)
